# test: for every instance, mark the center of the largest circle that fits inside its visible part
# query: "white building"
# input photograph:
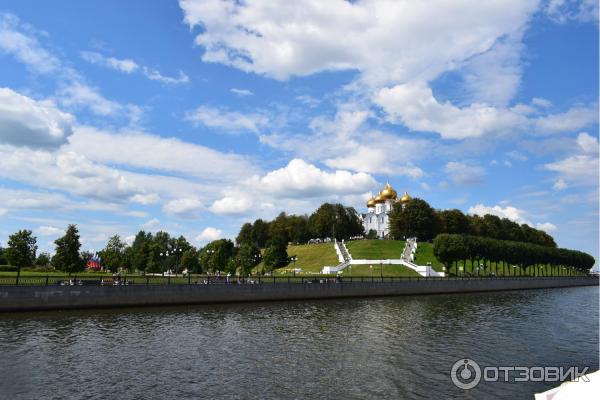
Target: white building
(378, 209)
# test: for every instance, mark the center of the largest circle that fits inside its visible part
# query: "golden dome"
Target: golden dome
(371, 202)
(379, 198)
(388, 192)
(405, 198)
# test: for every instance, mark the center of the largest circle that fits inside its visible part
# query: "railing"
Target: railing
(125, 280)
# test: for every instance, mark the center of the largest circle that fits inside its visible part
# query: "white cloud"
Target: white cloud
(232, 205)
(563, 11)
(154, 75)
(304, 37)
(129, 66)
(79, 95)
(232, 122)
(241, 92)
(151, 224)
(27, 122)
(512, 213)
(123, 65)
(143, 150)
(48, 230)
(145, 199)
(21, 42)
(17, 199)
(299, 178)
(184, 207)
(575, 118)
(540, 102)
(463, 173)
(560, 184)
(209, 234)
(581, 169)
(546, 227)
(66, 171)
(588, 144)
(415, 106)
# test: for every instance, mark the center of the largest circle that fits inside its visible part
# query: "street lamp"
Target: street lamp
(294, 260)
(211, 252)
(371, 268)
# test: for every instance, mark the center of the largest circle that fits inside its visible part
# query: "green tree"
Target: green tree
(246, 258)
(42, 260)
(67, 257)
(415, 219)
(190, 261)
(140, 251)
(21, 249)
(260, 233)
(276, 253)
(453, 221)
(216, 255)
(113, 255)
(245, 235)
(3, 259)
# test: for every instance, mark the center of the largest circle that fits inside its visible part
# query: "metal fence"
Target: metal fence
(123, 280)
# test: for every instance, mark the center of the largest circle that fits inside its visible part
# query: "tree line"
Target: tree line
(418, 219)
(488, 252)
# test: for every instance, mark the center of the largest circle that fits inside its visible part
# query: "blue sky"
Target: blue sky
(196, 116)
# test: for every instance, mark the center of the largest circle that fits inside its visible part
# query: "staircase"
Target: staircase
(343, 256)
(408, 258)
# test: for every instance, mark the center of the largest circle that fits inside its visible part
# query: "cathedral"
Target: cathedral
(378, 209)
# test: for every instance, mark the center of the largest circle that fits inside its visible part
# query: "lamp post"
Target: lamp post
(211, 252)
(381, 270)
(166, 255)
(294, 260)
(371, 268)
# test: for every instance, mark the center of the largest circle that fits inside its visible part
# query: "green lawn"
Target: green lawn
(375, 249)
(424, 254)
(312, 257)
(378, 270)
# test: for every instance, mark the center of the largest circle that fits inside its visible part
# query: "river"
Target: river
(375, 348)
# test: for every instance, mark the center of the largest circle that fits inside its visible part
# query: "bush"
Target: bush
(8, 268)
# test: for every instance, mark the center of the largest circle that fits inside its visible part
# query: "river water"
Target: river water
(376, 348)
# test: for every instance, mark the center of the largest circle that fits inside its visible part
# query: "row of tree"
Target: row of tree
(22, 251)
(418, 219)
(450, 249)
(328, 221)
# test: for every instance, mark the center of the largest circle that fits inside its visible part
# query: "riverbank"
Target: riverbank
(29, 298)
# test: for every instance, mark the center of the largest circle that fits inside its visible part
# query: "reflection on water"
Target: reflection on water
(399, 347)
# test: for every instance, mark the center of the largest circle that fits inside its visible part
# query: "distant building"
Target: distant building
(378, 209)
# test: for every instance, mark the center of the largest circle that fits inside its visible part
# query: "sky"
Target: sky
(195, 116)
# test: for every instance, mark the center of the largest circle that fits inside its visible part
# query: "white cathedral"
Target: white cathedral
(378, 209)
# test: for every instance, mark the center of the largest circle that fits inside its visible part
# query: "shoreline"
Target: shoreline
(39, 298)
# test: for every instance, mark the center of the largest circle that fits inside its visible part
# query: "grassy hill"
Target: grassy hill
(375, 249)
(313, 257)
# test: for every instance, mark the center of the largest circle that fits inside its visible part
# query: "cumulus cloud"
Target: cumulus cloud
(232, 122)
(301, 178)
(155, 75)
(209, 234)
(514, 214)
(415, 106)
(232, 205)
(463, 173)
(546, 227)
(563, 11)
(18, 199)
(580, 169)
(304, 37)
(185, 207)
(31, 123)
(587, 143)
